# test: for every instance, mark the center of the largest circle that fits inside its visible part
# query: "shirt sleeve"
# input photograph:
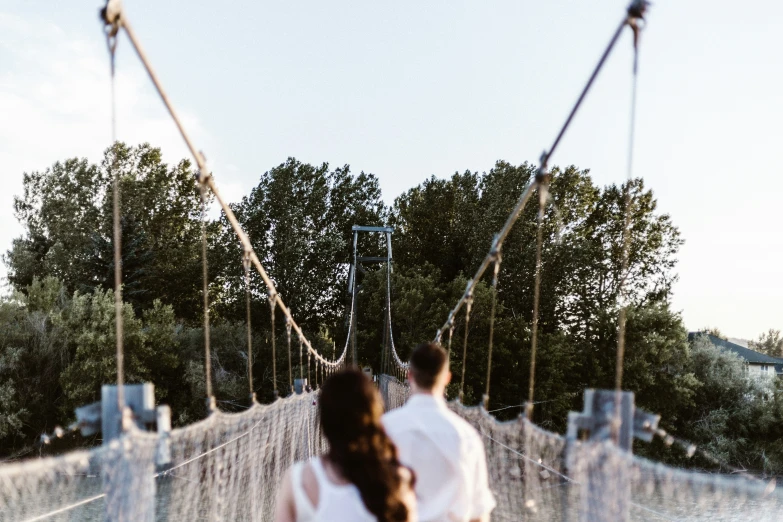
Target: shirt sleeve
(483, 499)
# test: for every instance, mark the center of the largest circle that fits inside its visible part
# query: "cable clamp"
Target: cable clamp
(111, 15)
(637, 9)
(542, 174)
(204, 174)
(494, 252)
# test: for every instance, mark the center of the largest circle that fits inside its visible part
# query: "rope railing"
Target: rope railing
(402, 366)
(633, 13)
(489, 258)
(115, 17)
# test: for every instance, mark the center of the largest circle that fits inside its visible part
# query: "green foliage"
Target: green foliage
(32, 357)
(770, 343)
(66, 212)
(57, 331)
(734, 415)
(88, 326)
(714, 331)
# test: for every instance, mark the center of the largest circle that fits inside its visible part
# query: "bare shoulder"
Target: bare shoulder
(285, 510)
(408, 494)
(310, 483)
(406, 475)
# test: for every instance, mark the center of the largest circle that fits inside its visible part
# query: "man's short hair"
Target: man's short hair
(428, 360)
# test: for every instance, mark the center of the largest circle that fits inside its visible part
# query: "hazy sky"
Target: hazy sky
(409, 89)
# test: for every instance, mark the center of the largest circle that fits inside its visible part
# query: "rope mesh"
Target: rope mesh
(229, 467)
(538, 475)
(226, 467)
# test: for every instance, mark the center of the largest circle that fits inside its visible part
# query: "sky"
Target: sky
(410, 89)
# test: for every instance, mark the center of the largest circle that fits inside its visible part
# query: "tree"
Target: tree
(299, 220)
(89, 334)
(715, 332)
(733, 416)
(770, 343)
(31, 359)
(66, 212)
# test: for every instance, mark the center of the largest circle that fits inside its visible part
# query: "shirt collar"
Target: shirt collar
(424, 400)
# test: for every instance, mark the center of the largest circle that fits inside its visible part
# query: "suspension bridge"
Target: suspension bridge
(229, 465)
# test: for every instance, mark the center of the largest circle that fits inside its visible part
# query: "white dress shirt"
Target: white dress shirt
(447, 455)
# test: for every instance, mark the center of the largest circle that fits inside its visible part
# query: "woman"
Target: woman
(359, 479)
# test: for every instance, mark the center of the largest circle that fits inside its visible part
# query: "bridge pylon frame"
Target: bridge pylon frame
(353, 287)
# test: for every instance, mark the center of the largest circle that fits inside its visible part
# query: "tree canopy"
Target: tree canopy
(57, 329)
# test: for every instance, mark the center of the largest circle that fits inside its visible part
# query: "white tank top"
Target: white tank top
(336, 502)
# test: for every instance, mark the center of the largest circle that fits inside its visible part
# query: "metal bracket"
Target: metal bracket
(598, 419)
(104, 416)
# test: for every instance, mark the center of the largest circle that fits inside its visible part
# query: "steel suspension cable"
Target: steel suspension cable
(205, 177)
(402, 366)
(632, 12)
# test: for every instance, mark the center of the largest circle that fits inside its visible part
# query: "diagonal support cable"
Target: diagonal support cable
(205, 177)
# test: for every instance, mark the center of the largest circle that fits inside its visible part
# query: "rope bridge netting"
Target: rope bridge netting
(229, 466)
(226, 467)
(535, 475)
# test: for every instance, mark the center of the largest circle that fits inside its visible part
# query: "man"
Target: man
(444, 451)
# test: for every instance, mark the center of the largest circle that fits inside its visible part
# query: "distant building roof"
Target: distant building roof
(742, 342)
(751, 356)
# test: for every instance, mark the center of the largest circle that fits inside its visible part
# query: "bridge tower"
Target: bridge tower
(353, 288)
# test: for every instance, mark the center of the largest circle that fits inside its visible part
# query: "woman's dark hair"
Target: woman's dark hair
(350, 409)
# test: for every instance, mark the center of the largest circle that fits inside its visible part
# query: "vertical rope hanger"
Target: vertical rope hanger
(637, 6)
(635, 19)
(498, 260)
(114, 17)
(451, 336)
(543, 191)
(272, 306)
(111, 16)
(211, 405)
(246, 266)
(301, 367)
(468, 306)
(288, 340)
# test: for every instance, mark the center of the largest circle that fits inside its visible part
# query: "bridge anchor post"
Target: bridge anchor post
(128, 469)
(593, 439)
